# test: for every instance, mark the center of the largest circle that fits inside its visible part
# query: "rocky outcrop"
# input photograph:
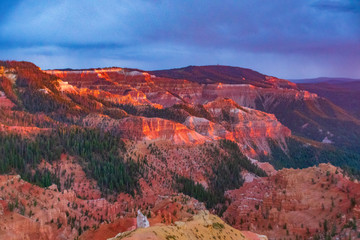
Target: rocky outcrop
(201, 226)
(250, 128)
(208, 128)
(159, 129)
(32, 212)
(22, 130)
(122, 82)
(141, 220)
(168, 91)
(252, 96)
(294, 202)
(132, 96)
(141, 128)
(5, 103)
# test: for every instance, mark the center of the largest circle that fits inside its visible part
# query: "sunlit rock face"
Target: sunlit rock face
(250, 128)
(141, 128)
(207, 128)
(252, 96)
(167, 91)
(247, 126)
(131, 96)
(161, 129)
(138, 85)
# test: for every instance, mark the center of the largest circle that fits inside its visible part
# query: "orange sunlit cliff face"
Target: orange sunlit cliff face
(246, 124)
(83, 150)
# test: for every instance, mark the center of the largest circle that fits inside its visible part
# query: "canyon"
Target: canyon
(200, 151)
(247, 88)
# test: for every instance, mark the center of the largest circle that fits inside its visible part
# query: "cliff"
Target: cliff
(141, 128)
(200, 85)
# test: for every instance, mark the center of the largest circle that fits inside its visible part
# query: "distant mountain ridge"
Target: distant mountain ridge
(223, 74)
(344, 92)
(325, 79)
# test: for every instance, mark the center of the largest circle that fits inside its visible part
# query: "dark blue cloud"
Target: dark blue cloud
(339, 6)
(6, 7)
(283, 38)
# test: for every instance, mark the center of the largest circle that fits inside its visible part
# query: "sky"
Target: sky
(284, 38)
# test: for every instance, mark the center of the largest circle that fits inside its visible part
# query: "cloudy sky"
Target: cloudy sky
(284, 38)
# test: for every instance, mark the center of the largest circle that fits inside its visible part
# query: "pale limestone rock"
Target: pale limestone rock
(141, 220)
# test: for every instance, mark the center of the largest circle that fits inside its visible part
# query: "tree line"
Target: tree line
(100, 152)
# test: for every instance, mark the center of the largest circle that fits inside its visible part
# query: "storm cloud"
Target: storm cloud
(288, 39)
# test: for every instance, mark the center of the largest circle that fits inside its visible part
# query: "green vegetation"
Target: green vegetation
(226, 174)
(235, 155)
(18, 153)
(42, 178)
(171, 237)
(302, 155)
(34, 101)
(100, 152)
(217, 225)
(227, 167)
(197, 191)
